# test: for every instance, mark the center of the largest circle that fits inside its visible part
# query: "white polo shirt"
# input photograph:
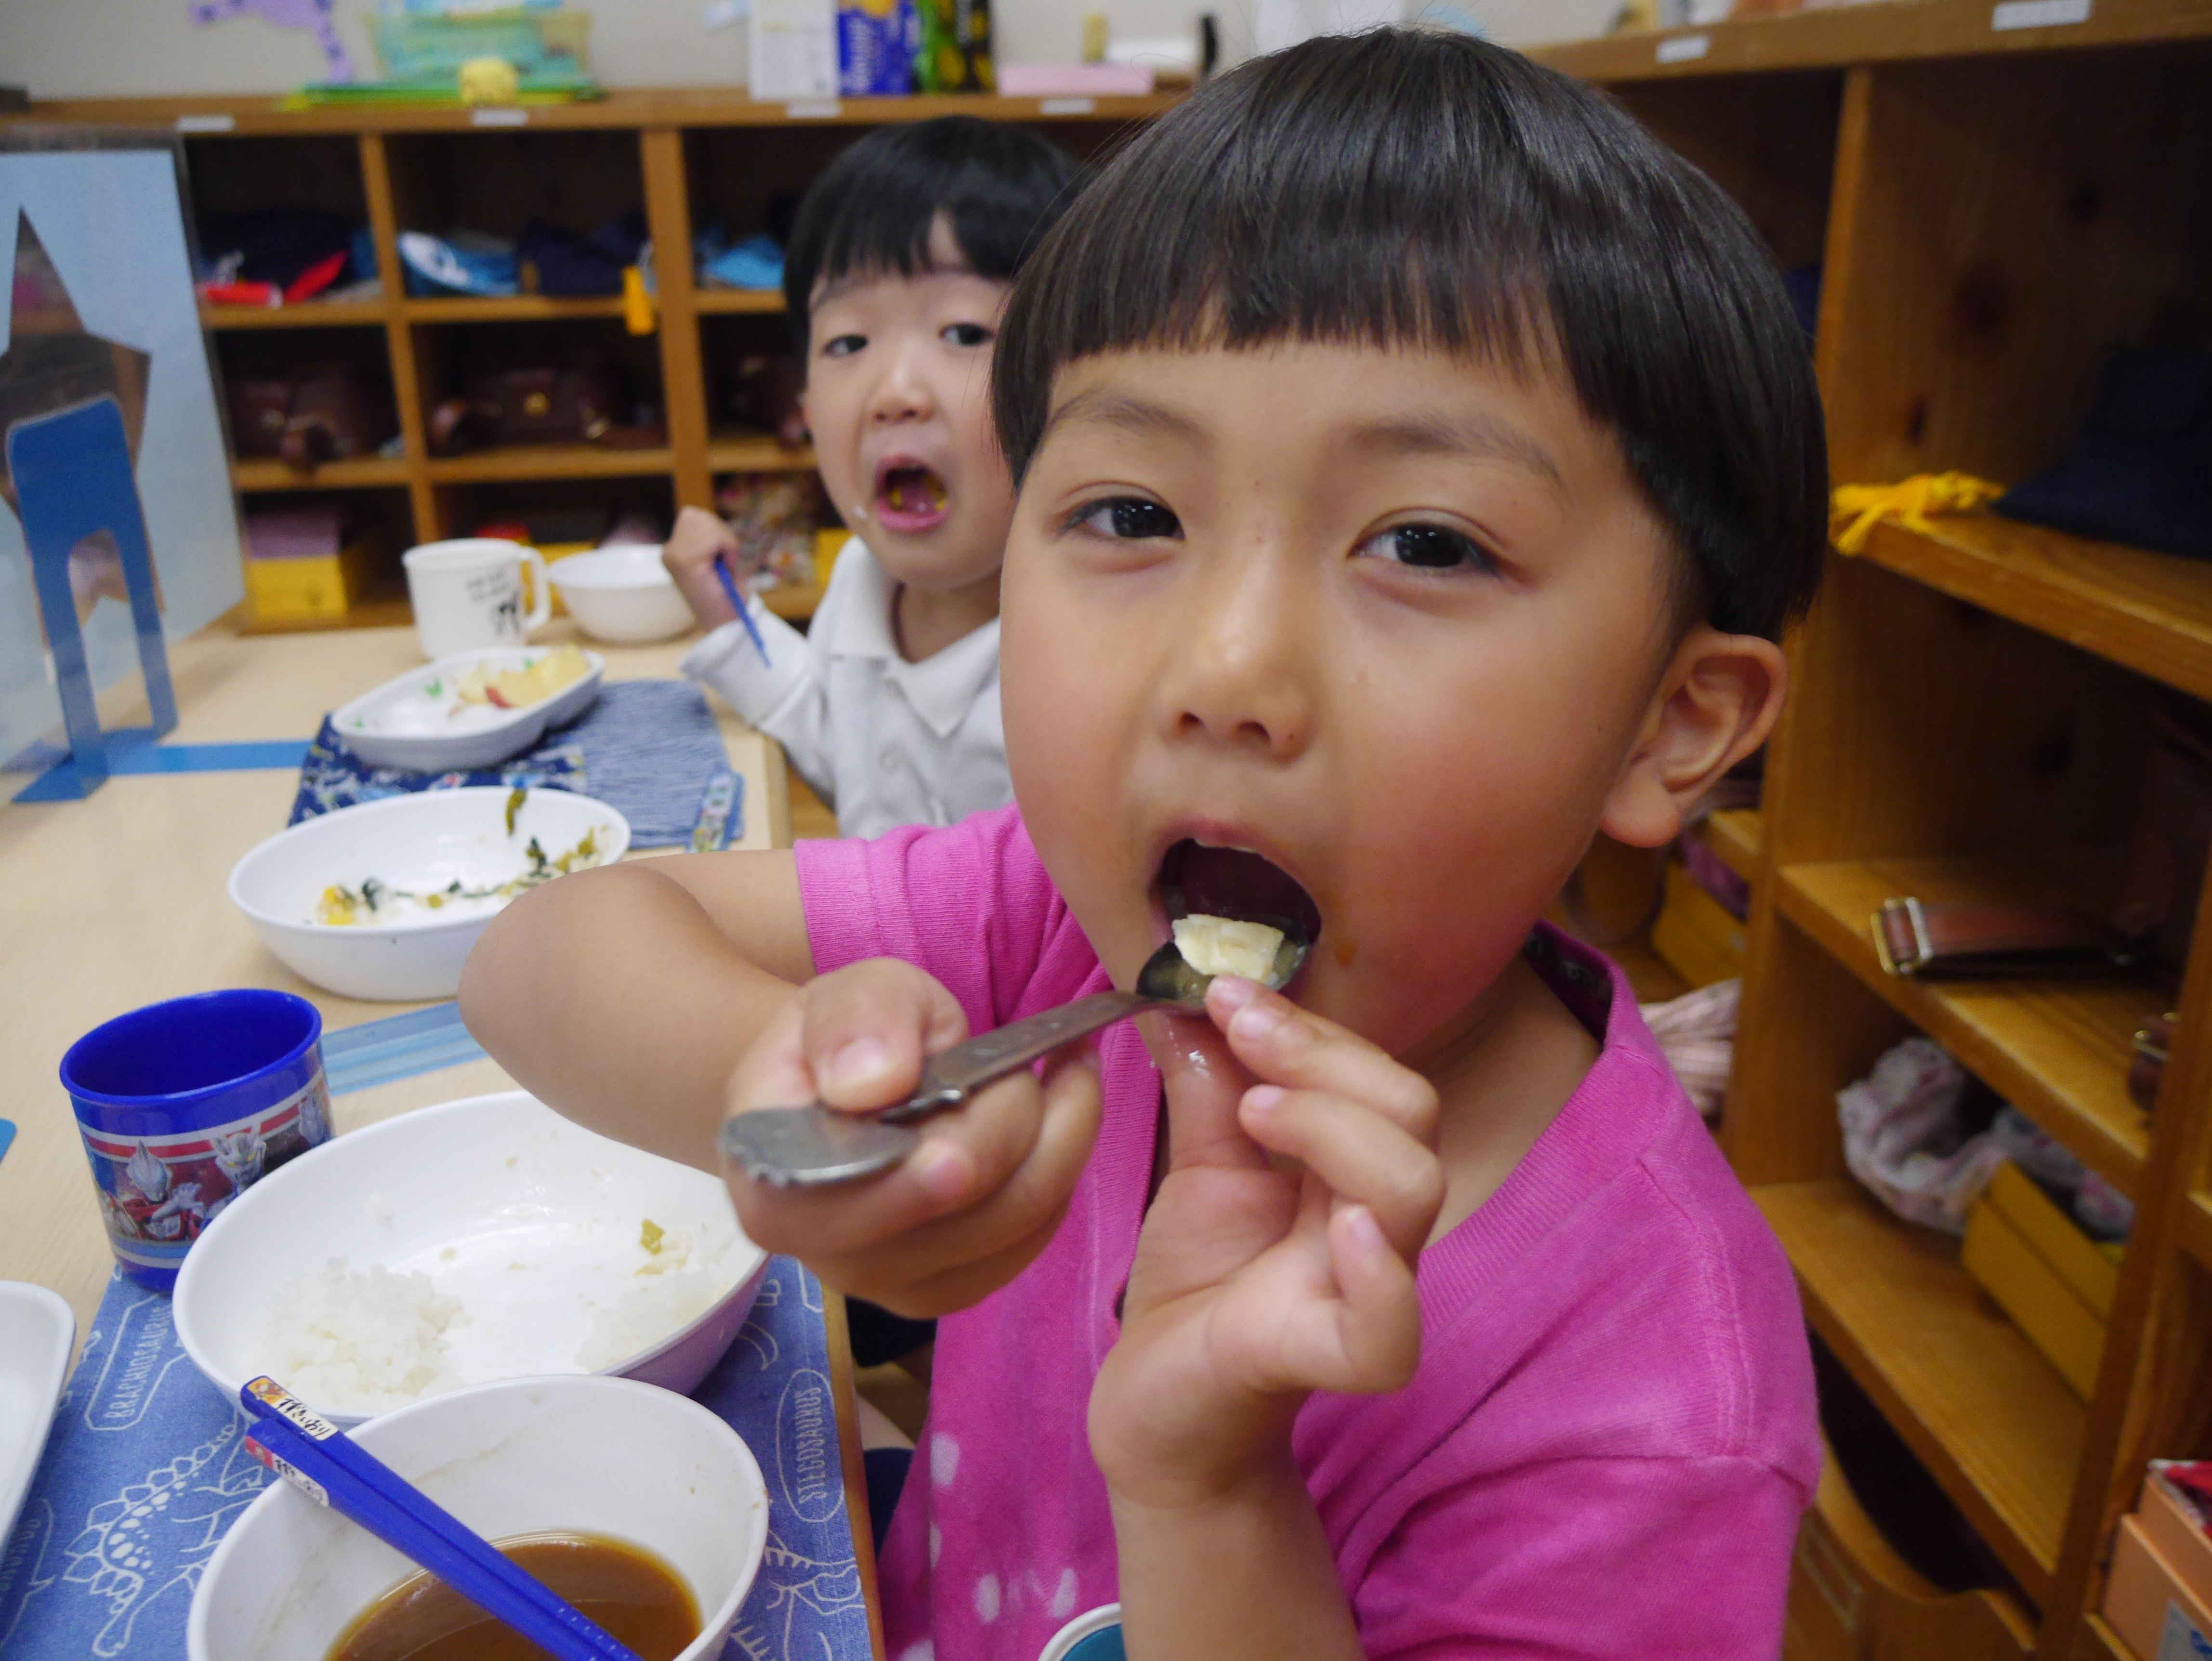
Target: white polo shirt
(884, 741)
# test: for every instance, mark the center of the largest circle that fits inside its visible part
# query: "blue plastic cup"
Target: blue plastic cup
(184, 1105)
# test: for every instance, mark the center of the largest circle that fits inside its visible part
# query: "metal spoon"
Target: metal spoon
(806, 1146)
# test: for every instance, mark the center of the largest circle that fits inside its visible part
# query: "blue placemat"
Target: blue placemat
(145, 1471)
(650, 749)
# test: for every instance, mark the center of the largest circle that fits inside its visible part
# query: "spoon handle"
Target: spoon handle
(806, 1146)
(948, 1076)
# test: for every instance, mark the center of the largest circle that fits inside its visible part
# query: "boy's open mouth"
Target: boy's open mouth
(909, 496)
(1197, 880)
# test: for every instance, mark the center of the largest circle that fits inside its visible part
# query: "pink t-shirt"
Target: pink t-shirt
(1611, 1435)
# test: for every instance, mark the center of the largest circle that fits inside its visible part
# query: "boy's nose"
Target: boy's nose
(1239, 674)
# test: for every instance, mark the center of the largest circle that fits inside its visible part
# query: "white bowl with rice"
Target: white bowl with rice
(481, 1239)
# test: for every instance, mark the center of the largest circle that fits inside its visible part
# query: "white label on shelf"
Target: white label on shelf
(1684, 48)
(2178, 1640)
(814, 109)
(206, 123)
(499, 117)
(1066, 106)
(2038, 14)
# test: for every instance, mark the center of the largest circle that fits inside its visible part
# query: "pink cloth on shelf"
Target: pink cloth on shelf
(1610, 1438)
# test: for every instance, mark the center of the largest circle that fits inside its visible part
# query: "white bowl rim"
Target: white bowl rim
(725, 1613)
(595, 669)
(183, 1305)
(418, 925)
(627, 569)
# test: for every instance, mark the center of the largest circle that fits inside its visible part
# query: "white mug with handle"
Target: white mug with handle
(467, 594)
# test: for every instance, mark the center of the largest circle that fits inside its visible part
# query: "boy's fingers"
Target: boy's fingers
(1357, 1154)
(867, 1028)
(1203, 1081)
(1288, 1045)
(1379, 1317)
(984, 1178)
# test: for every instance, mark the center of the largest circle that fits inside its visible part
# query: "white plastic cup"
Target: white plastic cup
(467, 594)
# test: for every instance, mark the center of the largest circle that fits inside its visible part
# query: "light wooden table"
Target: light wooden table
(120, 900)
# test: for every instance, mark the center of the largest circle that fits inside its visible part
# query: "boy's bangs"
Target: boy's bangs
(1408, 190)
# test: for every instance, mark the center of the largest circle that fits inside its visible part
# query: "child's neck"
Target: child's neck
(1502, 1073)
(925, 621)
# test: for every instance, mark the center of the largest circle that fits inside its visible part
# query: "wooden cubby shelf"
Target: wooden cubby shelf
(255, 476)
(726, 302)
(314, 315)
(520, 463)
(757, 452)
(1989, 1417)
(2057, 1049)
(684, 157)
(508, 309)
(2149, 612)
(1734, 835)
(1988, 199)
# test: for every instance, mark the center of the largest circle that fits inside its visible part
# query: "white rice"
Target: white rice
(360, 1341)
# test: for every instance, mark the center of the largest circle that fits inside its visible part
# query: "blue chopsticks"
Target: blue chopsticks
(745, 611)
(315, 1457)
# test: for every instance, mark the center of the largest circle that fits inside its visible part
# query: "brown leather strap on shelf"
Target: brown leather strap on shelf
(1915, 937)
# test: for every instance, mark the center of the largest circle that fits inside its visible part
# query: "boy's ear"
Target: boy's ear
(1715, 705)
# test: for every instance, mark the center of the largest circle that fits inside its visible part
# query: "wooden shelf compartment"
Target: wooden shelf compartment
(2149, 612)
(509, 309)
(235, 117)
(728, 301)
(756, 452)
(1990, 1419)
(263, 473)
(2097, 1641)
(517, 463)
(1831, 38)
(308, 314)
(2194, 1227)
(1735, 835)
(2057, 1049)
(793, 604)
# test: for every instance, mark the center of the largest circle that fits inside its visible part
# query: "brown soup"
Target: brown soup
(627, 1590)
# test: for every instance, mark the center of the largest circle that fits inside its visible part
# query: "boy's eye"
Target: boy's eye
(1429, 548)
(967, 334)
(1130, 519)
(844, 345)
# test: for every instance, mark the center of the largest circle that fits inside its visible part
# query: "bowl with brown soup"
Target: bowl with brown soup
(637, 1506)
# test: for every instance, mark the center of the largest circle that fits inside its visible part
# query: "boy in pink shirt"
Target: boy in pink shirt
(1416, 466)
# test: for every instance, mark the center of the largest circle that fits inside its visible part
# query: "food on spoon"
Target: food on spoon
(518, 689)
(378, 901)
(1228, 946)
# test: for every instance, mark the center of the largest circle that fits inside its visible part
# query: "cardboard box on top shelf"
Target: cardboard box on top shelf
(2173, 1523)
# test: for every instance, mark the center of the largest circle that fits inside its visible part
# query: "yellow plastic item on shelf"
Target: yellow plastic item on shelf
(1855, 509)
(637, 302)
(1698, 937)
(2032, 1295)
(312, 588)
(2091, 1274)
(489, 81)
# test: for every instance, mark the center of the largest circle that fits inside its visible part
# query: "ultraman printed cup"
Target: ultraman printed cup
(183, 1105)
(467, 594)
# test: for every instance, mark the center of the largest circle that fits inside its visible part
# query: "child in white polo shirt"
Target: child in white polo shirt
(898, 268)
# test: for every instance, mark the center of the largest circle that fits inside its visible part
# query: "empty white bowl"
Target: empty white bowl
(37, 1330)
(532, 1222)
(417, 721)
(598, 1456)
(419, 841)
(622, 594)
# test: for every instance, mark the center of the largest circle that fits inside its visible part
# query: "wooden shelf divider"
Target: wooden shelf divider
(732, 301)
(2057, 1049)
(1988, 1415)
(259, 474)
(1735, 835)
(757, 452)
(508, 309)
(517, 463)
(309, 314)
(2149, 612)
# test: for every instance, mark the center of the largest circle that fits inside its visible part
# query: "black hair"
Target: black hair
(1405, 188)
(872, 208)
